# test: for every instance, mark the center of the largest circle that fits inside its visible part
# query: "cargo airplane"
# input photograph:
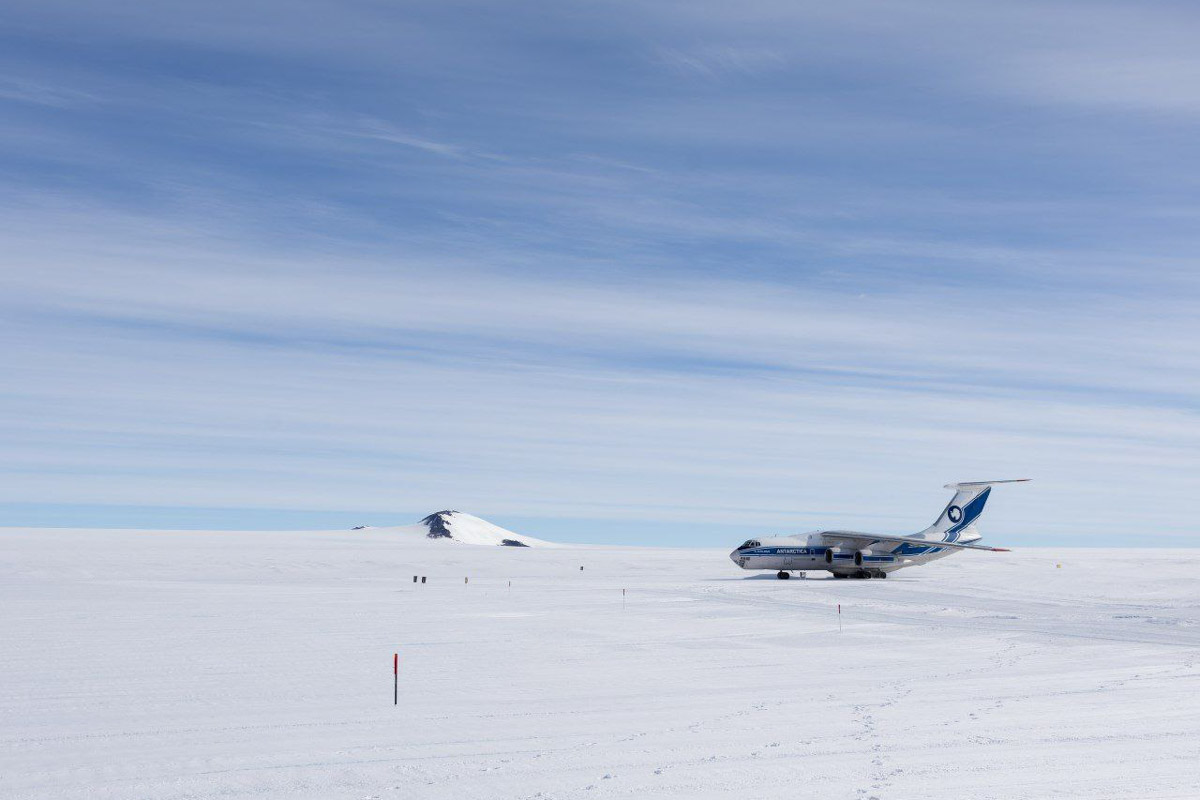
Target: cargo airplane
(851, 554)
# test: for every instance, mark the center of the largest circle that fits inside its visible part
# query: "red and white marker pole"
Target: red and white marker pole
(839, 617)
(395, 679)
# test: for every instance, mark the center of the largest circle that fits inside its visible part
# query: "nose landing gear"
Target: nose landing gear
(783, 576)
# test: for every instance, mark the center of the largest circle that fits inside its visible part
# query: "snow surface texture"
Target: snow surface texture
(206, 665)
(455, 526)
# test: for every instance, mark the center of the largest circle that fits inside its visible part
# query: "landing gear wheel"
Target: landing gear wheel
(840, 575)
(881, 575)
(863, 575)
(783, 576)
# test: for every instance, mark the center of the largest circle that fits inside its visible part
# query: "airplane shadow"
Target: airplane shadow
(796, 579)
(773, 578)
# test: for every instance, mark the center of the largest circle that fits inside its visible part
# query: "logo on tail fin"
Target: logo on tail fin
(954, 513)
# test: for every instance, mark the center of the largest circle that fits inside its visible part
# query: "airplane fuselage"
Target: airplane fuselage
(810, 552)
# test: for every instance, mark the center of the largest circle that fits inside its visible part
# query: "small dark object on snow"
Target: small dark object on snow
(422, 579)
(512, 543)
(414, 578)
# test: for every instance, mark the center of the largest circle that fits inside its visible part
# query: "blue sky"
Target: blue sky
(614, 272)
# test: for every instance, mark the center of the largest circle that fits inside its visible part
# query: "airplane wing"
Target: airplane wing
(868, 538)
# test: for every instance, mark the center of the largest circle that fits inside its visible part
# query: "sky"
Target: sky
(620, 272)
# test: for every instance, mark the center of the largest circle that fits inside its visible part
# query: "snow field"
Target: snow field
(216, 664)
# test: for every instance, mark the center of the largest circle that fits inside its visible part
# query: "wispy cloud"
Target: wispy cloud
(22, 91)
(1113, 82)
(713, 60)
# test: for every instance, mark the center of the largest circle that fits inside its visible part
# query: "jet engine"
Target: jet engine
(858, 556)
(829, 551)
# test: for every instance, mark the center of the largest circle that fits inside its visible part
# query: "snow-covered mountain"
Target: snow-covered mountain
(455, 526)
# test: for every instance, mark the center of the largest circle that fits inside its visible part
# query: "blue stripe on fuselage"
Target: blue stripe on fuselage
(786, 551)
(815, 552)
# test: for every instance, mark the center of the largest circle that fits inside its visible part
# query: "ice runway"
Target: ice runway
(205, 665)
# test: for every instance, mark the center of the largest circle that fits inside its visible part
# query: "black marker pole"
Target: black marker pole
(395, 679)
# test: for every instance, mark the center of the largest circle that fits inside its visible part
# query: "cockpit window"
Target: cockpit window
(750, 543)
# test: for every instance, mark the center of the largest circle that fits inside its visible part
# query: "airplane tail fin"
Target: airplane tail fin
(964, 508)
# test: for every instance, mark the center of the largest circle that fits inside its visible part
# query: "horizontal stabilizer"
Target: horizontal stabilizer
(968, 485)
